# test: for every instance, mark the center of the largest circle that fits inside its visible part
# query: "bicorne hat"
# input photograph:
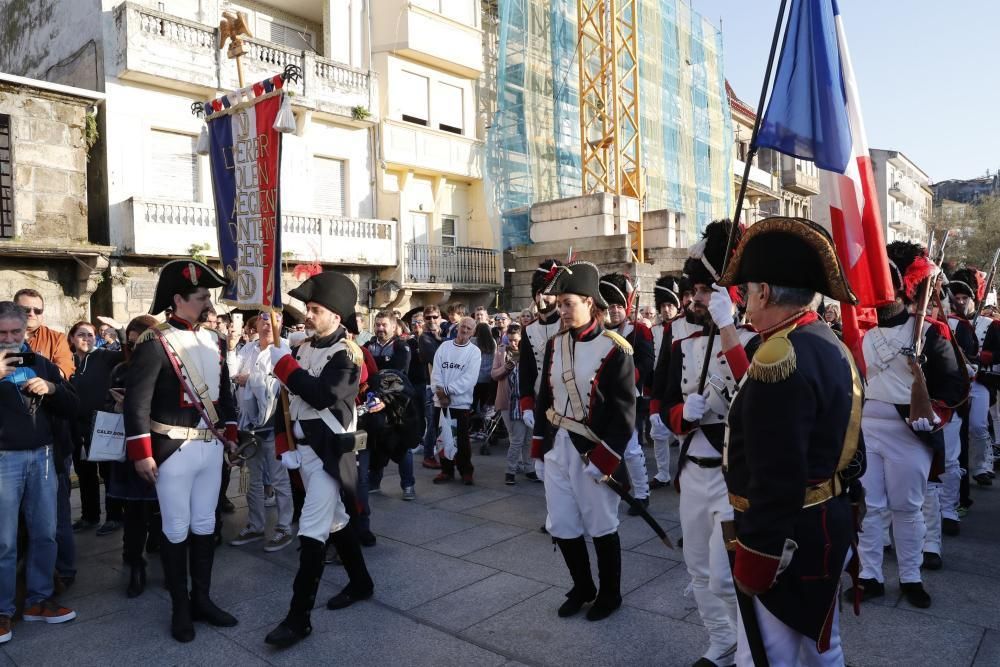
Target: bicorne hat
(178, 275)
(580, 278)
(617, 288)
(330, 289)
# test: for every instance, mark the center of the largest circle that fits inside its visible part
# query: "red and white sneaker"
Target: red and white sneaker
(49, 611)
(6, 634)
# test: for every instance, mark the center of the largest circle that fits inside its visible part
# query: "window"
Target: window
(449, 230)
(176, 168)
(6, 181)
(463, 11)
(413, 98)
(448, 108)
(328, 186)
(286, 35)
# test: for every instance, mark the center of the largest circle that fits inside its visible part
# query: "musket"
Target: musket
(920, 399)
(616, 486)
(989, 286)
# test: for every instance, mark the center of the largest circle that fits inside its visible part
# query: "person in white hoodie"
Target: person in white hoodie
(258, 401)
(453, 378)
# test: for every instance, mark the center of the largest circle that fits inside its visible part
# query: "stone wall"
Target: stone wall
(53, 280)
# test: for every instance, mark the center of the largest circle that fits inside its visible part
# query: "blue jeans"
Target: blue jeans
(65, 541)
(364, 524)
(430, 433)
(406, 477)
(27, 480)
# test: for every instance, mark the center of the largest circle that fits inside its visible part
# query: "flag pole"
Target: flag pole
(746, 177)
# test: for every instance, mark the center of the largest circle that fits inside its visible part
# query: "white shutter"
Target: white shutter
(175, 166)
(290, 36)
(448, 108)
(449, 233)
(413, 97)
(328, 186)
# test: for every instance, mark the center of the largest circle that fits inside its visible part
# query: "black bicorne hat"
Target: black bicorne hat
(179, 274)
(667, 290)
(617, 288)
(543, 275)
(789, 252)
(581, 278)
(330, 289)
(706, 257)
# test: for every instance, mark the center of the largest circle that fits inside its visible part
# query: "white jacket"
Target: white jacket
(258, 399)
(456, 369)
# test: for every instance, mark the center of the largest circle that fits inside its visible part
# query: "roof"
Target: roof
(736, 104)
(38, 84)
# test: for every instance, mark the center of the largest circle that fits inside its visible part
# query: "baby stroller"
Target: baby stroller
(492, 432)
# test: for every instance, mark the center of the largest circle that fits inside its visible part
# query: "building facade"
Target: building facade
(151, 193)
(904, 194)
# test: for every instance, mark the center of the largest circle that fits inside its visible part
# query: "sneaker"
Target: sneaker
(431, 463)
(870, 588)
(467, 480)
(84, 524)
(6, 634)
(932, 561)
(442, 478)
(657, 484)
(962, 512)
(409, 493)
(246, 536)
(270, 501)
(982, 479)
(509, 480)
(913, 592)
(48, 611)
(108, 527)
(278, 541)
(532, 476)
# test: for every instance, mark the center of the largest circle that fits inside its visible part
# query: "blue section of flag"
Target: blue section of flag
(807, 114)
(220, 133)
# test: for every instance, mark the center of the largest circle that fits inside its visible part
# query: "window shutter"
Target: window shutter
(289, 36)
(328, 186)
(413, 96)
(449, 234)
(448, 108)
(176, 172)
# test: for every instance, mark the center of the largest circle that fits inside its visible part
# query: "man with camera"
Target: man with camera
(32, 394)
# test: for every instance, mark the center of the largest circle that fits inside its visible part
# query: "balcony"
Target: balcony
(163, 50)
(166, 228)
(430, 37)
(759, 184)
(449, 267)
(799, 182)
(412, 145)
(897, 193)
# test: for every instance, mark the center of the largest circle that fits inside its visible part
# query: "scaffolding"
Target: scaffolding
(534, 142)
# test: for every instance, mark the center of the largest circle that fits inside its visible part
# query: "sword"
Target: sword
(748, 614)
(616, 486)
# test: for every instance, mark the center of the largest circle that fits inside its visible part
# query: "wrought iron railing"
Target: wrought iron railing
(429, 264)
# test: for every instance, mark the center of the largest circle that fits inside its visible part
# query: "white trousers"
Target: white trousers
(575, 501)
(951, 478)
(980, 442)
(187, 487)
(704, 505)
(265, 464)
(895, 481)
(323, 511)
(995, 413)
(635, 461)
(932, 518)
(787, 648)
(661, 451)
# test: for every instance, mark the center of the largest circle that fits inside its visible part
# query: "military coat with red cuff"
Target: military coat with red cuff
(664, 336)
(153, 391)
(640, 337)
(536, 335)
(787, 428)
(605, 377)
(321, 377)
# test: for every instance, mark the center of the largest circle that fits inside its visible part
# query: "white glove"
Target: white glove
(594, 472)
(278, 352)
(540, 469)
(657, 429)
(528, 417)
(924, 425)
(720, 307)
(291, 460)
(695, 407)
(973, 371)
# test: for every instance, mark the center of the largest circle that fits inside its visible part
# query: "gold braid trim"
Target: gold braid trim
(150, 333)
(354, 352)
(619, 341)
(775, 359)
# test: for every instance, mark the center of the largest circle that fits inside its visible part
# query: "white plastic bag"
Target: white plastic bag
(447, 439)
(107, 441)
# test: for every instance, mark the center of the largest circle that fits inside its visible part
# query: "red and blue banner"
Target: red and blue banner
(245, 156)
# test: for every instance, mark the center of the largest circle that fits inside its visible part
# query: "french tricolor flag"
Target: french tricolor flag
(814, 114)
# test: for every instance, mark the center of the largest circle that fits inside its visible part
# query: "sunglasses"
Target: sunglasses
(28, 310)
(432, 317)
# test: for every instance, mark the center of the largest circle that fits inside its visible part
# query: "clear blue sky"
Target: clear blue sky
(927, 72)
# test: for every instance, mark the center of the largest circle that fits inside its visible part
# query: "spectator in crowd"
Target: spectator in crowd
(456, 312)
(481, 315)
(428, 343)
(508, 404)
(453, 379)
(47, 342)
(141, 511)
(526, 317)
(648, 315)
(257, 398)
(32, 394)
(110, 340)
(831, 315)
(92, 380)
(484, 394)
(501, 321)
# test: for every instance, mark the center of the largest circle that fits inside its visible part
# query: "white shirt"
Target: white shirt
(456, 370)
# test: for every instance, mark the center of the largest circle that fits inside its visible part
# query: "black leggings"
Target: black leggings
(142, 528)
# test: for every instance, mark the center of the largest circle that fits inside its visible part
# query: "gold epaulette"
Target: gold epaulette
(354, 352)
(774, 360)
(619, 341)
(150, 333)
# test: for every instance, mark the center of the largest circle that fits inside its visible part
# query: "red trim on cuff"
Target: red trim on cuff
(986, 358)
(280, 445)
(655, 405)
(536, 447)
(606, 459)
(675, 419)
(285, 367)
(738, 362)
(754, 570)
(231, 432)
(527, 403)
(139, 447)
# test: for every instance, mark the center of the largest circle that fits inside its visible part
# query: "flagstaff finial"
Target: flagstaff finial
(233, 27)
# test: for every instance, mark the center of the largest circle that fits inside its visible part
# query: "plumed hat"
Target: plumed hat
(330, 289)
(908, 266)
(580, 278)
(617, 288)
(543, 275)
(179, 274)
(789, 252)
(667, 290)
(706, 257)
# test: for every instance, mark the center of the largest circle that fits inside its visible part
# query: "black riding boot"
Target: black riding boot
(175, 558)
(360, 585)
(609, 571)
(296, 625)
(136, 578)
(202, 607)
(574, 552)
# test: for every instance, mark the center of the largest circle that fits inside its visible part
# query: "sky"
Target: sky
(927, 73)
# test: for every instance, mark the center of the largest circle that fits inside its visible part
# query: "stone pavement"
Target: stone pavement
(464, 577)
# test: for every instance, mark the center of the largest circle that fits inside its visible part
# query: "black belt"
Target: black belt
(705, 463)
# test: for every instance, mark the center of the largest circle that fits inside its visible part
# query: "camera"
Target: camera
(20, 358)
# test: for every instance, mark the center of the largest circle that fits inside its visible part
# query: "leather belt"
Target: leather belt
(181, 432)
(816, 494)
(573, 426)
(705, 463)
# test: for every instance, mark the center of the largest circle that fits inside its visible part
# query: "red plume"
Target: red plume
(305, 271)
(916, 273)
(980, 285)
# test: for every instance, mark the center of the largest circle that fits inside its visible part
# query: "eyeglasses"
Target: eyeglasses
(432, 317)
(28, 310)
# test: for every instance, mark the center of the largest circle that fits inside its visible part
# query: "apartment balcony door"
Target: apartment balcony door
(416, 249)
